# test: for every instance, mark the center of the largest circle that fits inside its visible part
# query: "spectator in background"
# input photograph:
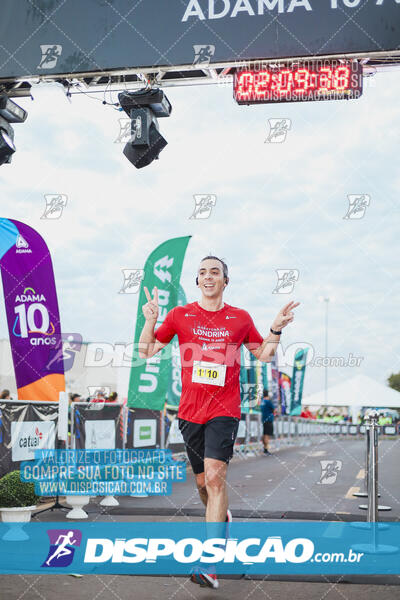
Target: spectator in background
(384, 419)
(5, 395)
(267, 415)
(306, 413)
(74, 398)
(99, 396)
(113, 397)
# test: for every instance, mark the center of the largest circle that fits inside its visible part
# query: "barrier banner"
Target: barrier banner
(174, 439)
(148, 382)
(254, 428)
(24, 428)
(299, 369)
(32, 312)
(143, 428)
(241, 434)
(284, 390)
(97, 426)
(389, 429)
(175, 382)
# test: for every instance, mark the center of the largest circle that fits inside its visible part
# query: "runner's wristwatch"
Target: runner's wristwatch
(275, 332)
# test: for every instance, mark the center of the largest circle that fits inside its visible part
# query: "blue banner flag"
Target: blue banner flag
(174, 548)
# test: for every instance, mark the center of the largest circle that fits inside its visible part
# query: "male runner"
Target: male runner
(267, 417)
(210, 334)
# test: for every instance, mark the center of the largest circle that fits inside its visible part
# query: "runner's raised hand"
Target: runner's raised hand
(284, 316)
(150, 309)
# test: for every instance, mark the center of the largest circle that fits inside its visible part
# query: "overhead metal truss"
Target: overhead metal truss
(183, 75)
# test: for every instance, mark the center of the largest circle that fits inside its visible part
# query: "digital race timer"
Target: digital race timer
(300, 81)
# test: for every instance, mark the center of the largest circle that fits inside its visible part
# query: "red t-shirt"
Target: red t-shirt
(210, 336)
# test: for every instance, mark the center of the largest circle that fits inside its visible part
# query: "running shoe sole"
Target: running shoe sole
(205, 579)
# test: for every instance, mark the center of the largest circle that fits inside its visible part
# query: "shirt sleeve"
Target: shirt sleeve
(166, 331)
(253, 336)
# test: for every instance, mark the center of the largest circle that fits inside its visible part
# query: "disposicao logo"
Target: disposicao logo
(191, 550)
(62, 547)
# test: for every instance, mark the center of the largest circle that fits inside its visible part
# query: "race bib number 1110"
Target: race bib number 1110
(210, 373)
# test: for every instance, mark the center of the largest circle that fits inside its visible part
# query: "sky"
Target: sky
(278, 206)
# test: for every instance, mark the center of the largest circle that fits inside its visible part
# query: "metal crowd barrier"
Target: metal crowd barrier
(290, 430)
(21, 420)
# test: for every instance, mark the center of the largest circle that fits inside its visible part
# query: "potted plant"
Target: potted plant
(17, 498)
(17, 501)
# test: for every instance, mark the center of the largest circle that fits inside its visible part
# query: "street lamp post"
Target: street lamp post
(326, 300)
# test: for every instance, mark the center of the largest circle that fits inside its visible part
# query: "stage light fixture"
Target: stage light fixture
(143, 107)
(7, 147)
(10, 112)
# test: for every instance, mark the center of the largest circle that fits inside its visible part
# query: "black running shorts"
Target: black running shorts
(213, 439)
(268, 428)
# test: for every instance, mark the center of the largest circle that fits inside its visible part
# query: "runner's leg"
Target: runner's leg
(220, 435)
(201, 487)
(215, 480)
(193, 436)
(210, 474)
(268, 434)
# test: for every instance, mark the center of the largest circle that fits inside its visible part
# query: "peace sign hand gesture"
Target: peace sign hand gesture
(284, 316)
(150, 309)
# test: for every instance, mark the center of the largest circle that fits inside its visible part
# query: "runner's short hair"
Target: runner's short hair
(224, 265)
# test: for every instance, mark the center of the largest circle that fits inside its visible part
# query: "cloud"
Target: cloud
(278, 206)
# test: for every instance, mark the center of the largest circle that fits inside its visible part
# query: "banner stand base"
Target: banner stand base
(55, 506)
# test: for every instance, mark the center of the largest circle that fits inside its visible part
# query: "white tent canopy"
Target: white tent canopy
(358, 392)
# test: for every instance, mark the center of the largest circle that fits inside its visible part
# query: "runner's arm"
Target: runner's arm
(266, 350)
(148, 344)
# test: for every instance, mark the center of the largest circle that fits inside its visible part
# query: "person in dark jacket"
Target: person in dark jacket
(267, 415)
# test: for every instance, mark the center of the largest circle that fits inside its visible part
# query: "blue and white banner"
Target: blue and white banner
(152, 548)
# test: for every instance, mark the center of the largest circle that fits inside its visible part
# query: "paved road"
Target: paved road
(289, 484)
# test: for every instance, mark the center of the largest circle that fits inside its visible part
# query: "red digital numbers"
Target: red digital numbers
(297, 83)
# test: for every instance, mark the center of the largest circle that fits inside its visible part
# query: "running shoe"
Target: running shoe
(205, 578)
(209, 578)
